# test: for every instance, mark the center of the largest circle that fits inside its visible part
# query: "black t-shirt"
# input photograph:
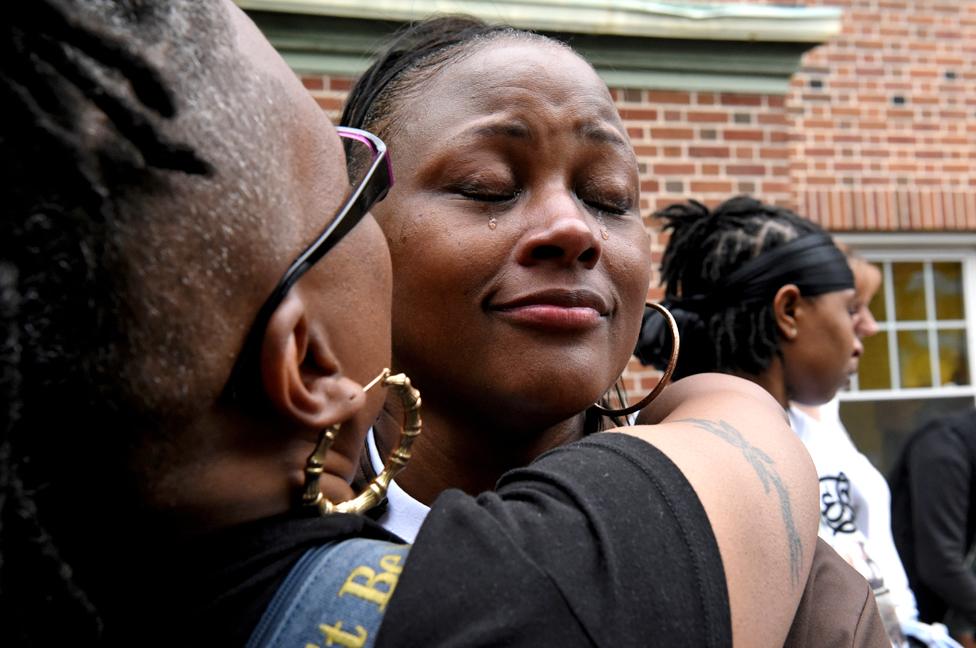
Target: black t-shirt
(212, 591)
(599, 543)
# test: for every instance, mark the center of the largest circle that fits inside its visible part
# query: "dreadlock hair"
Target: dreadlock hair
(706, 246)
(416, 53)
(90, 165)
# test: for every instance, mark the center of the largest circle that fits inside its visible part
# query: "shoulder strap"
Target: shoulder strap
(334, 596)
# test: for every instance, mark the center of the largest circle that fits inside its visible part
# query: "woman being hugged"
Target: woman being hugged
(521, 265)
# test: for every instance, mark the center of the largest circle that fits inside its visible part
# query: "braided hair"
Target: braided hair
(85, 131)
(704, 247)
(416, 53)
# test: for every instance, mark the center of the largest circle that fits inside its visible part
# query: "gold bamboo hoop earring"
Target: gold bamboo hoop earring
(375, 491)
(665, 377)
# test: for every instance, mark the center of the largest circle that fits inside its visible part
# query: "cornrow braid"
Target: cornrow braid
(416, 53)
(706, 246)
(58, 304)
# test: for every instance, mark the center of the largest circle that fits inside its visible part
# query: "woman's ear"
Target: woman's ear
(300, 370)
(786, 303)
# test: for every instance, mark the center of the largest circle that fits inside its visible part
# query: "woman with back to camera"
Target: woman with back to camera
(192, 296)
(520, 260)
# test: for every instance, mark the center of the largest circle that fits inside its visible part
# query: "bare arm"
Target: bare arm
(758, 486)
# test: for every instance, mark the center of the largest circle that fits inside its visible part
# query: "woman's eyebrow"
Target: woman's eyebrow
(507, 128)
(601, 133)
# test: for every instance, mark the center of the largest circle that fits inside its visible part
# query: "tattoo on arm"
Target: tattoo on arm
(762, 463)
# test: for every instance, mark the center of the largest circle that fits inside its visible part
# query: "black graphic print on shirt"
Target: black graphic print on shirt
(836, 509)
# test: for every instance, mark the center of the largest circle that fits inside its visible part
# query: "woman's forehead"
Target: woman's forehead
(867, 278)
(513, 85)
(503, 73)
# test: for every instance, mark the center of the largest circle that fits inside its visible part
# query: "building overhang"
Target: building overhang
(632, 43)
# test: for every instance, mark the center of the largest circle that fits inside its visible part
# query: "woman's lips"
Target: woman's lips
(547, 316)
(555, 310)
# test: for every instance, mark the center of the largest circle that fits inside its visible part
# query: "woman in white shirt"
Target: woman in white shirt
(855, 501)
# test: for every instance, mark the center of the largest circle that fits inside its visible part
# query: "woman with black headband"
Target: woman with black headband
(759, 292)
(762, 293)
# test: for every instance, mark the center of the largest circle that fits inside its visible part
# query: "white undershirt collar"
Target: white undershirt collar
(404, 514)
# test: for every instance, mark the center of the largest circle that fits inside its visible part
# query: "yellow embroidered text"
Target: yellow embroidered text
(369, 585)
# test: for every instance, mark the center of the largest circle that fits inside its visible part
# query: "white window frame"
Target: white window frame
(920, 248)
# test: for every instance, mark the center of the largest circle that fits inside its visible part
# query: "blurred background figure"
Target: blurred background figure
(854, 496)
(933, 520)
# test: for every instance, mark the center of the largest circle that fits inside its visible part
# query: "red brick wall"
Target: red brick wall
(877, 132)
(707, 145)
(883, 118)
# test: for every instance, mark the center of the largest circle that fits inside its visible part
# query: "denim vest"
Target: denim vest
(334, 596)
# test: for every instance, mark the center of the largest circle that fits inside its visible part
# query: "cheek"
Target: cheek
(629, 265)
(437, 260)
(375, 271)
(410, 247)
(842, 339)
(392, 216)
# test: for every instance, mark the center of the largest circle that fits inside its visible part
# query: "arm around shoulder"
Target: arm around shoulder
(758, 487)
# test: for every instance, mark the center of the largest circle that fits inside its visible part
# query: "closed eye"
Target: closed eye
(608, 204)
(482, 195)
(608, 208)
(606, 195)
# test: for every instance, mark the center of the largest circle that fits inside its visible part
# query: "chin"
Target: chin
(547, 403)
(846, 382)
(815, 400)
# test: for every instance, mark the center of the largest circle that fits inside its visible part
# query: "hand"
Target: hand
(935, 635)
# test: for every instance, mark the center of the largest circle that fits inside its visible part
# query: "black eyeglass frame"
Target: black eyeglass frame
(370, 190)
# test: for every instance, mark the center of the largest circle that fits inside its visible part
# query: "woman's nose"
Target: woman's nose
(562, 233)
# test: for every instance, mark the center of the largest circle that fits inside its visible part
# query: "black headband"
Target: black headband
(812, 263)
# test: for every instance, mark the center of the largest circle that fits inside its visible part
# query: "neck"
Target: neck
(226, 469)
(813, 411)
(465, 449)
(772, 380)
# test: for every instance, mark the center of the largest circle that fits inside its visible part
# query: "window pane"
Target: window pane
(874, 371)
(947, 278)
(880, 428)
(913, 359)
(953, 366)
(909, 288)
